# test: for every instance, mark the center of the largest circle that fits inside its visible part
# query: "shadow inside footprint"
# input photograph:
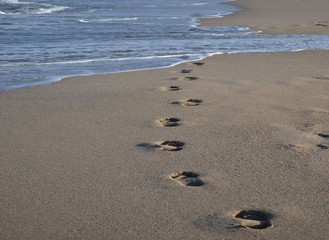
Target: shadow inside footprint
(254, 219)
(189, 102)
(185, 78)
(171, 88)
(198, 63)
(169, 122)
(321, 24)
(174, 88)
(192, 102)
(323, 146)
(189, 78)
(186, 71)
(163, 146)
(321, 78)
(187, 178)
(323, 135)
(171, 146)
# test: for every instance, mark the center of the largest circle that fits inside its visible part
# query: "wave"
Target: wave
(179, 59)
(10, 1)
(49, 9)
(15, 7)
(195, 4)
(128, 19)
(164, 17)
(104, 20)
(175, 5)
(93, 60)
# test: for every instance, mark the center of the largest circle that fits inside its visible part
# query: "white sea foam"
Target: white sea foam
(33, 8)
(176, 5)
(47, 9)
(15, 2)
(104, 20)
(177, 56)
(199, 4)
(298, 50)
(163, 18)
(217, 34)
(118, 19)
(10, 1)
(83, 21)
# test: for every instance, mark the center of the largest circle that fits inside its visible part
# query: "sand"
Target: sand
(279, 16)
(247, 157)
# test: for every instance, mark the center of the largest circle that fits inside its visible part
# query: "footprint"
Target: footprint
(185, 78)
(171, 88)
(171, 146)
(163, 146)
(186, 71)
(189, 179)
(188, 78)
(323, 146)
(189, 102)
(192, 102)
(253, 219)
(321, 78)
(198, 63)
(324, 135)
(169, 122)
(321, 24)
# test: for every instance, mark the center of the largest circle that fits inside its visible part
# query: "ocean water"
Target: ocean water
(44, 41)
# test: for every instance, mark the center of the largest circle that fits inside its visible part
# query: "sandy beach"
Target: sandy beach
(230, 147)
(278, 17)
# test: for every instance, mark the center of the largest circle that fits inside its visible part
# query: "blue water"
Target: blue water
(44, 41)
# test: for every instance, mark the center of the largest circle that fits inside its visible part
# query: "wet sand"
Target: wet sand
(230, 147)
(278, 17)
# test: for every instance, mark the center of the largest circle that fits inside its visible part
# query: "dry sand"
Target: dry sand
(87, 158)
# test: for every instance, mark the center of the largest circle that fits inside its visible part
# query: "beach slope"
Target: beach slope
(230, 147)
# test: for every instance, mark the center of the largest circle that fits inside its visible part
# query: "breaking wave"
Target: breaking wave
(31, 8)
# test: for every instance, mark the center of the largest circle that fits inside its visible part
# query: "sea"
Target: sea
(44, 41)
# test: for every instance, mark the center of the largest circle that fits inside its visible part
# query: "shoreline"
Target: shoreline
(184, 152)
(230, 19)
(226, 20)
(273, 18)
